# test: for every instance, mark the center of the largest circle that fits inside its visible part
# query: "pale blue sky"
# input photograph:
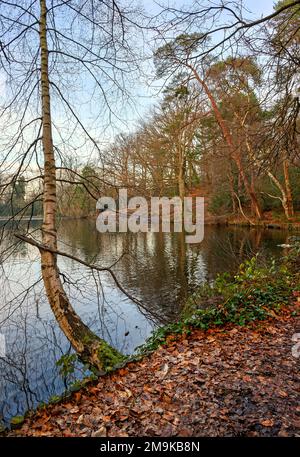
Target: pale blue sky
(259, 7)
(144, 89)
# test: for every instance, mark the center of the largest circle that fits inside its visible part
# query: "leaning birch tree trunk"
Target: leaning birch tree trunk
(89, 346)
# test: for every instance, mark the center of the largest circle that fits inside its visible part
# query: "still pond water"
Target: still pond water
(159, 269)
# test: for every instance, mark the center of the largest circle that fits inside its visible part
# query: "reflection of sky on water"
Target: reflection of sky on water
(159, 269)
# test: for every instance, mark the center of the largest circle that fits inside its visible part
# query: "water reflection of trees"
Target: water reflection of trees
(154, 264)
(160, 269)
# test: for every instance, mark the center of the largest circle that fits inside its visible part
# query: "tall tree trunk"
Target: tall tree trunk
(232, 191)
(252, 181)
(283, 199)
(288, 187)
(181, 173)
(89, 347)
(286, 199)
(228, 138)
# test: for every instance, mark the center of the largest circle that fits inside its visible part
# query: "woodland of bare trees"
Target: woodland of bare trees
(227, 120)
(224, 124)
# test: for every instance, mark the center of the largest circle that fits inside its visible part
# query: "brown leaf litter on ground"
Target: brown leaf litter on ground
(231, 381)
